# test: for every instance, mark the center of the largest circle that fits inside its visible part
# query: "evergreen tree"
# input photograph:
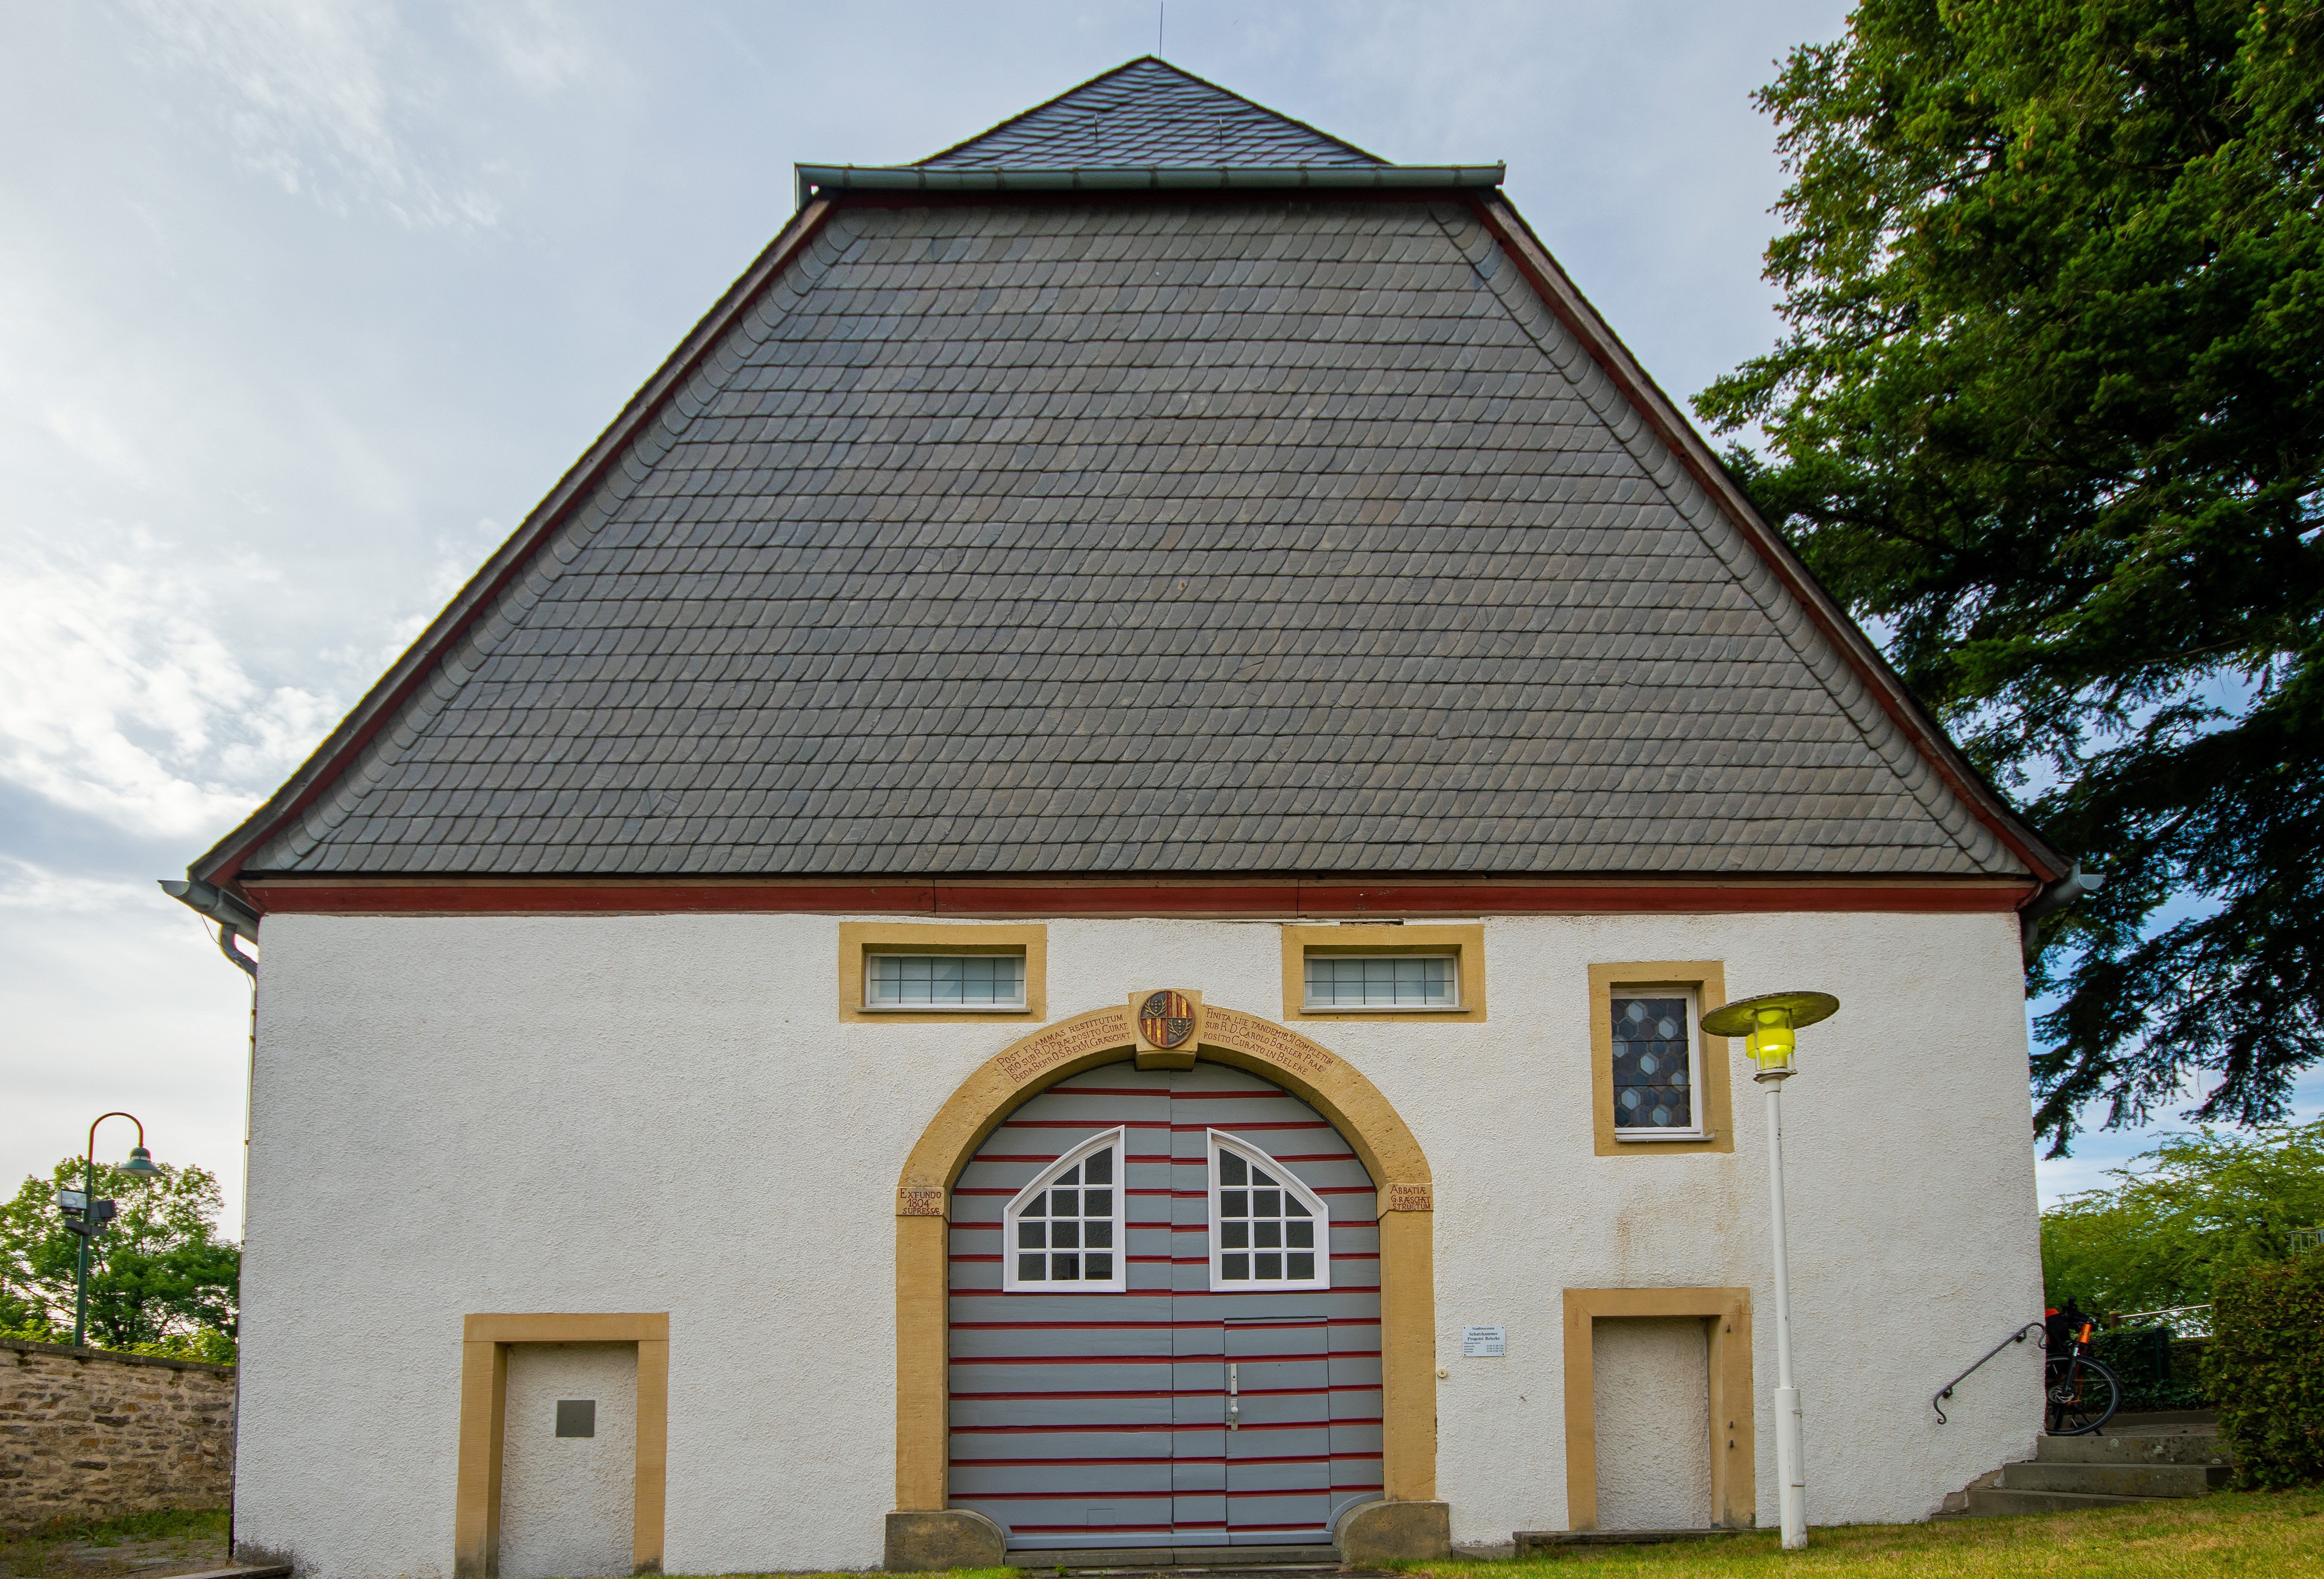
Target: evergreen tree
(2049, 416)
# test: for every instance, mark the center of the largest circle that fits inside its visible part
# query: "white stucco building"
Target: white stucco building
(1099, 827)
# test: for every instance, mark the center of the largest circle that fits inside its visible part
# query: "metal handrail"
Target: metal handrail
(2032, 1329)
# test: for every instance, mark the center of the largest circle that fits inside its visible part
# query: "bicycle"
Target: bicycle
(2080, 1394)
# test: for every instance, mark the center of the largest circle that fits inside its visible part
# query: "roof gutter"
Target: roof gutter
(827, 179)
(2052, 899)
(235, 920)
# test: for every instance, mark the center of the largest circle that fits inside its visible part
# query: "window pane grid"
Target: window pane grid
(1267, 1234)
(1402, 981)
(1065, 1233)
(1653, 1087)
(944, 981)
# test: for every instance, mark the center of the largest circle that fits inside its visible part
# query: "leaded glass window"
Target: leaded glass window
(1383, 981)
(1268, 1230)
(1655, 1066)
(1064, 1229)
(943, 981)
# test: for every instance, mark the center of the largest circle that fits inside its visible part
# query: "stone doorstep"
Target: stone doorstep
(2177, 1448)
(2117, 1480)
(1253, 1571)
(1529, 1541)
(1250, 1562)
(2071, 1472)
(1992, 1501)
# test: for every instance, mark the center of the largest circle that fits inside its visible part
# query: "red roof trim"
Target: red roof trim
(1354, 899)
(1573, 309)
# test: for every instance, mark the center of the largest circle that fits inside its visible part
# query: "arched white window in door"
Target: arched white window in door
(1268, 1230)
(1065, 1232)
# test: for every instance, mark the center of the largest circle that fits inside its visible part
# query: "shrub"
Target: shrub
(2267, 1369)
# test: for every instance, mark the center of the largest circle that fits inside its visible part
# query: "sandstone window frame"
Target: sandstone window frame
(1704, 982)
(1465, 941)
(859, 940)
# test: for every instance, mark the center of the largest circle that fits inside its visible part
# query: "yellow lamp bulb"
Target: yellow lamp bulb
(1772, 1040)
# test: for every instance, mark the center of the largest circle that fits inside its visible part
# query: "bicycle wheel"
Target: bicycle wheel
(2081, 1395)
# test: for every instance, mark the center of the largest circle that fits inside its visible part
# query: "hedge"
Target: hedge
(2266, 1371)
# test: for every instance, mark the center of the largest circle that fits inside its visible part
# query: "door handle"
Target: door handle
(1234, 1399)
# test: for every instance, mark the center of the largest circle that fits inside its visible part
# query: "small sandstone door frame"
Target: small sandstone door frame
(483, 1417)
(1726, 1313)
(1316, 1074)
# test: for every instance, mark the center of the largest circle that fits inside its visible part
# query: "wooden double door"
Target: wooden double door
(1165, 1316)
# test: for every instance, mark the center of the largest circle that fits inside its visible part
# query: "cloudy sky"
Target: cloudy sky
(304, 304)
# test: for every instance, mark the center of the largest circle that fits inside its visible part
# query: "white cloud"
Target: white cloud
(536, 45)
(118, 696)
(25, 885)
(317, 95)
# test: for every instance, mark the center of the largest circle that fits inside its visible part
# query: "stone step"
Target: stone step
(2116, 1479)
(1247, 1562)
(1992, 1501)
(1531, 1542)
(1239, 1570)
(2183, 1449)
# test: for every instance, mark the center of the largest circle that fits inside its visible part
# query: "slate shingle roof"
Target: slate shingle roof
(1158, 538)
(1148, 112)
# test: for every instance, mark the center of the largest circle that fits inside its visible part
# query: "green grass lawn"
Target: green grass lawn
(155, 1544)
(2254, 1532)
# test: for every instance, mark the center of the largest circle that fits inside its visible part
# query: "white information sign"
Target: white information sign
(1484, 1342)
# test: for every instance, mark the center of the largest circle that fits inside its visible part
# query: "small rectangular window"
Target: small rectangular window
(1658, 1066)
(943, 981)
(1383, 981)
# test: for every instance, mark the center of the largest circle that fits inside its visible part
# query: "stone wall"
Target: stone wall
(85, 1433)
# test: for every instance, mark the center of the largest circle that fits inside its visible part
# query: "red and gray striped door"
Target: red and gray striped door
(1167, 1413)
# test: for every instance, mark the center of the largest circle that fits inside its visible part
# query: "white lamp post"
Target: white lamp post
(1767, 1021)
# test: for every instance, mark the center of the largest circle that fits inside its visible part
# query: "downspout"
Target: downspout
(2050, 901)
(235, 920)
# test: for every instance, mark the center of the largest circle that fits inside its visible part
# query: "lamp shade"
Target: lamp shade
(140, 1163)
(1766, 1022)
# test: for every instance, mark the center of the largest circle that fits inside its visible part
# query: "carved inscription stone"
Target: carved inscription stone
(1264, 1038)
(1408, 1198)
(1061, 1044)
(919, 1201)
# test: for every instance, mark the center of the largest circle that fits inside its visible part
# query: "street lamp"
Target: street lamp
(140, 1164)
(1767, 1022)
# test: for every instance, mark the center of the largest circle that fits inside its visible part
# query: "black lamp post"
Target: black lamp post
(91, 1225)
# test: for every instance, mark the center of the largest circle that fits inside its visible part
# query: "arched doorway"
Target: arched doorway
(924, 1532)
(1164, 1322)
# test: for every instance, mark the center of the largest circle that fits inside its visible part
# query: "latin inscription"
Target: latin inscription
(919, 1201)
(1409, 1197)
(1249, 1034)
(1063, 1043)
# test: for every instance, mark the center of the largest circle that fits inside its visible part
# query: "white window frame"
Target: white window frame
(1117, 1138)
(1024, 967)
(1221, 1141)
(1308, 1005)
(1638, 1136)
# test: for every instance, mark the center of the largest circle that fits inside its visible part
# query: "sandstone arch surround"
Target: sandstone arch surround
(973, 1110)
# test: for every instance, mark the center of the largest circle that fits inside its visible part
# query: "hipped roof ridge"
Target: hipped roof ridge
(1023, 115)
